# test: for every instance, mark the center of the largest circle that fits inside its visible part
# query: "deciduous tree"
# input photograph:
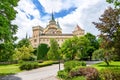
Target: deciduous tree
(53, 51)
(109, 26)
(42, 51)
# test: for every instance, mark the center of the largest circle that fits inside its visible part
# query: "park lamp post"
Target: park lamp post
(59, 63)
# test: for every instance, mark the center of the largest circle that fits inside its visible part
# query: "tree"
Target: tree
(42, 51)
(102, 54)
(7, 30)
(110, 29)
(23, 42)
(75, 48)
(53, 51)
(6, 51)
(94, 44)
(7, 14)
(83, 45)
(115, 2)
(68, 49)
(23, 53)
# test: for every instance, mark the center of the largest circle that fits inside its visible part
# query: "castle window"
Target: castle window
(35, 40)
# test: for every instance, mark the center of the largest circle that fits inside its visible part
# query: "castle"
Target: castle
(52, 30)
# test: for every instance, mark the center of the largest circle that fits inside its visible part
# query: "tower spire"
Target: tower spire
(53, 19)
(58, 24)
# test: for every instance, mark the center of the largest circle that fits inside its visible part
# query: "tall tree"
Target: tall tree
(7, 14)
(94, 44)
(7, 30)
(75, 47)
(42, 51)
(110, 29)
(53, 51)
(83, 45)
(69, 48)
(6, 51)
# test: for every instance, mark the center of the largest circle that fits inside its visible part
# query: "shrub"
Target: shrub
(28, 65)
(89, 72)
(79, 78)
(62, 74)
(46, 63)
(72, 64)
(111, 73)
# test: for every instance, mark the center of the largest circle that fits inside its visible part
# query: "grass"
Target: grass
(9, 69)
(102, 65)
(6, 69)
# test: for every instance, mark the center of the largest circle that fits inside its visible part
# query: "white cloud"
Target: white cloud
(86, 12)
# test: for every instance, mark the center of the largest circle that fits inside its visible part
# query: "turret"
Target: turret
(78, 31)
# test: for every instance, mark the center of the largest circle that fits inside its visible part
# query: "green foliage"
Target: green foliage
(7, 14)
(75, 48)
(7, 29)
(115, 2)
(62, 74)
(110, 73)
(79, 78)
(102, 54)
(93, 41)
(98, 54)
(6, 51)
(46, 63)
(53, 53)
(72, 64)
(6, 69)
(42, 51)
(94, 44)
(28, 65)
(23, 53)
(24, 42)
(109, 26)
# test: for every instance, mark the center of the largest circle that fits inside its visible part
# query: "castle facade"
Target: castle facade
(52, 30)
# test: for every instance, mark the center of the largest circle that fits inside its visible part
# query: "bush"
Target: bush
(89, 72)
(46, 63)
(112, 73)
(62, 74)
(79, 78)
(72, 64)
(28, 65)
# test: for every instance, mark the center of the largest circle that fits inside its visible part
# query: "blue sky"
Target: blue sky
(69, 13)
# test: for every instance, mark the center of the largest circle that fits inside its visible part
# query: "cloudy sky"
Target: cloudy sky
(69, 13)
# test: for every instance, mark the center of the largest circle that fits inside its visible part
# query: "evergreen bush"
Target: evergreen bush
(28, 65)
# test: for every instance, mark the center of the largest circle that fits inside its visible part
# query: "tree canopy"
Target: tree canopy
(7, 29)
(109, 26)
(53, 52)
(7, 14)
(42, 51)
(75, 48)
(115, 2)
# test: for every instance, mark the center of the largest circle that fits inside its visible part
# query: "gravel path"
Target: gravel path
(45, 73)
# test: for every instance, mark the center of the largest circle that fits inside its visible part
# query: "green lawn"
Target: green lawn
(101, 65)
(14, 68)
(9, 69)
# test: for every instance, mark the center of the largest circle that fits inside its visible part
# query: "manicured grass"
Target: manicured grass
(9, 69)
(14, 68)
(102, 65)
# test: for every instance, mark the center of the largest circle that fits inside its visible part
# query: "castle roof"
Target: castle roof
(77, 28)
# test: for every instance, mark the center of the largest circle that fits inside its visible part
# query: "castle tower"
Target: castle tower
(78, 31)
(37, 31)
(53, 27)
